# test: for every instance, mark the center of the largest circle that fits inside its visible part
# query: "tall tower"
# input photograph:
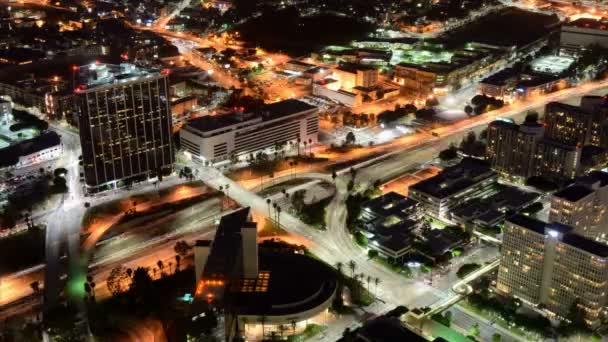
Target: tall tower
(125, 125)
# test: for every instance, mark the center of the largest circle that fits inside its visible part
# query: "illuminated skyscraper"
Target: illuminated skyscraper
(125, 125)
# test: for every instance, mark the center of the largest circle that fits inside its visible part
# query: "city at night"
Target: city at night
(303, 170)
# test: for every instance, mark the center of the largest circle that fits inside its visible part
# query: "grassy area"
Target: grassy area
(273, 189)
(22, 250)
(404, 271)
(310, 331)
(499, 321)
(435, 223)
(314, 214)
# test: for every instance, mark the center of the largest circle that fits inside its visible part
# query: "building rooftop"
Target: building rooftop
(587, 245)
(389, 204)
(593, 177)
(353, 67)
(502, 77)
(387, 329)
(588, 23)
(574, 192)
(10, 155)
(455, 178)
(99, 74)
(528, 222)
(268, 112)
(226, 247)
(288, 283)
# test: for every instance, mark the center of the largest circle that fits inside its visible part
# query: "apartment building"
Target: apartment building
(557, 161)
(573, 125)
(511, 147)
(583, 205)
(551, 267)
(212, 139)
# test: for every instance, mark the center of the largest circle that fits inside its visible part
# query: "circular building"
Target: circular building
(290, 289)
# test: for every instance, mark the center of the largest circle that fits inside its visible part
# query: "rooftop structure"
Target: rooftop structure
(552, 65)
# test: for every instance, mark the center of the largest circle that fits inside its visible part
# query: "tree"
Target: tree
(372, 253)
(142, 286)
(474, 331)
(182, 248)
(178, 259)
(468, 110)
(449, 153)
(353, 266)
(160, 265)
(117, 280)
(496, 337)
(465, 269)
(35, 286)
(531, 117)
(339, 266)
(297, 199)
(361, 239)
(350, 139)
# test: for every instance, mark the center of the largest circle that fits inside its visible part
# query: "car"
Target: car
(435, 134)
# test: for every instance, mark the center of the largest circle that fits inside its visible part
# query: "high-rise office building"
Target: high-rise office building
(583, 205)
(551, 267)
(125, 124)
(511, 147)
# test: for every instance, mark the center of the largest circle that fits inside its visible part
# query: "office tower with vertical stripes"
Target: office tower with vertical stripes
(125, 125)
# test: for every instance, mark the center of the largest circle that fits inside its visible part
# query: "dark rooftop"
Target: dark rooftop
(296, 283)
(353, 67)
(10, 155)
(388, 329)
(528, 222)
(500, 78)
(226, 247)
(593, 177)
(587, 245)
(574, 192)
(389, 204)
(455, 178)
(268, 112)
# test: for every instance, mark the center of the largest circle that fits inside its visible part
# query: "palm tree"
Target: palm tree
(310, 146)
(305, 144)
(129, 272)
(178, 259)
(334, 175)
(353, 266)
(293, 326)
(268, 201)
(279, 216)
(377, 282)
(298, 140)
(369, 279)
(339, 266)
(170, 266)
(35, 286)
(263, 320)
(160, 265)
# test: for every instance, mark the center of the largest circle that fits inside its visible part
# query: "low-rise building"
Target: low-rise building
(454, 185)
(389, 220)
(212, 139)
(551, 267)
(33, 151)
(584, 32)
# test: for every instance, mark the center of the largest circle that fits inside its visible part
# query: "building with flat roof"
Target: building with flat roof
(454, 185)
(511, 147)
(583, 205)
(389, 220)
(557, 161)
(573, 125)
(549, 266)
(251, 283)
(33, 151)
(213, 139)
(583, 32)
(125, 124)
